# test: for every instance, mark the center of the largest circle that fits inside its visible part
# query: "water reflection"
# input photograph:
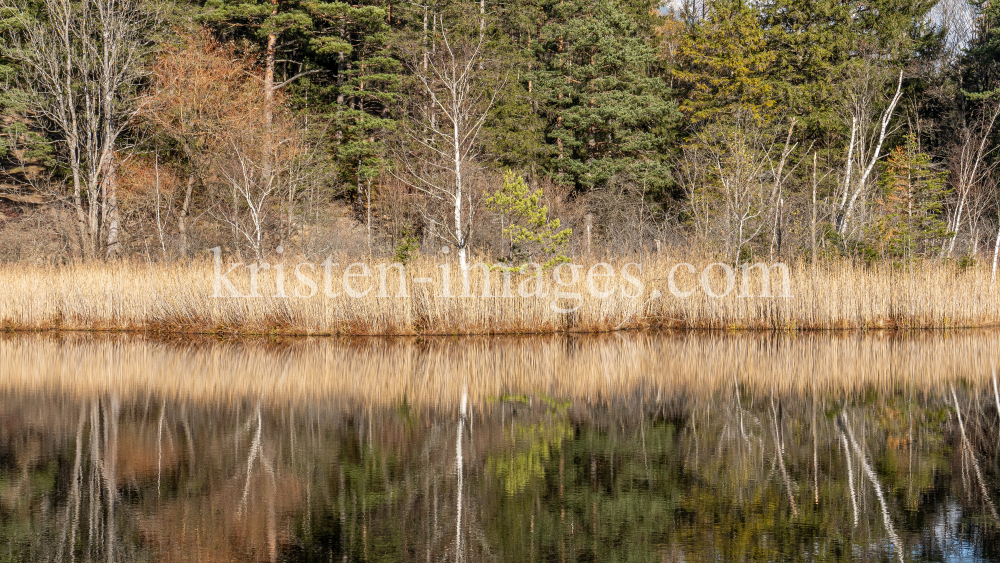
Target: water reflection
(640, 448)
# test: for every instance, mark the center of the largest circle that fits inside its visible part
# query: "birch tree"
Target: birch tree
(996, 244)
(263, 177)
(441, 139)
(861, 159)
(81, 62)
(970, 165)
(732, 172)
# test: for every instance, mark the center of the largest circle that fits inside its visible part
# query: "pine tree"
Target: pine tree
(607, 111)
(815, 41)
(527, 222)
(981, 60)
(20, 142)
(366, 88)
(722, 64)
(910, 204)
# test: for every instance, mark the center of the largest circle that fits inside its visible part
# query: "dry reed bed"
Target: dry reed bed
(432, 373)
(179, 298)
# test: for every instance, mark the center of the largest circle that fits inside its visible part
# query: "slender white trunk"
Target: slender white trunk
(459, 469)
(875, 155)
(111, 205)
(850, 163)
(159, 219)
(850, 476)
(812, 224)
(459, 234)
(426, 52)
(996, 251)
(182, 224)
(958, 223)
(873, 478)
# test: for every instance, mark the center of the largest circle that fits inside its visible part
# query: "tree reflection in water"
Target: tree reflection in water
(740, 470)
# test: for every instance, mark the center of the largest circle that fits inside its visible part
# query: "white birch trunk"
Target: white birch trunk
(886, 119)
(996, 252)
(459, 468)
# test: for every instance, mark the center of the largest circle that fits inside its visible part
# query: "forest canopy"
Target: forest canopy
(744, 130)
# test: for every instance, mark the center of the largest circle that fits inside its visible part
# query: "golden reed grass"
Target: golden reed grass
(433, 372)
(179, 298)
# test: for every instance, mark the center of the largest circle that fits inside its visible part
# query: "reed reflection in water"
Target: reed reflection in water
(644, 447)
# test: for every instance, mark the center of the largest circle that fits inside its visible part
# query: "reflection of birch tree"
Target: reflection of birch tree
(873, 478)
(256, 454)
(459, 469)
(537, 479)
(968, 451)
(779, 446)
(850, 477)
(96, 489)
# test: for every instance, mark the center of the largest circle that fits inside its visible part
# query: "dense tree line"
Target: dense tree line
(775, 129)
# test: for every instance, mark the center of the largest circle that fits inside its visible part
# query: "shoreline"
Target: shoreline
(650, 329)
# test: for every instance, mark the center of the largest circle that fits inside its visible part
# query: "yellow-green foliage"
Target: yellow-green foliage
(724, 62)
(531, 445)
(528, 221)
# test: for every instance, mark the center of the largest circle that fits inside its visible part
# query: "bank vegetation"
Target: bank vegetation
(135, 136)
(379, 299)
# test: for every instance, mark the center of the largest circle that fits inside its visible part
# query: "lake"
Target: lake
(622, 447)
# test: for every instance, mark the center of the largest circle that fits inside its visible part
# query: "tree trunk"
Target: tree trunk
(182, 220)
(482, 22)
(776, 192)
(368, 209)
(272, 46)
(886, 119)
(958, 222)
(81, 215)
(111, 205)
(459, 233)
(340, 83)
(812, 224)
(94, 196)
(849, 167)
(996, 251)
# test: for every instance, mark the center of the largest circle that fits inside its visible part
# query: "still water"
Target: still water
(633, 447)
